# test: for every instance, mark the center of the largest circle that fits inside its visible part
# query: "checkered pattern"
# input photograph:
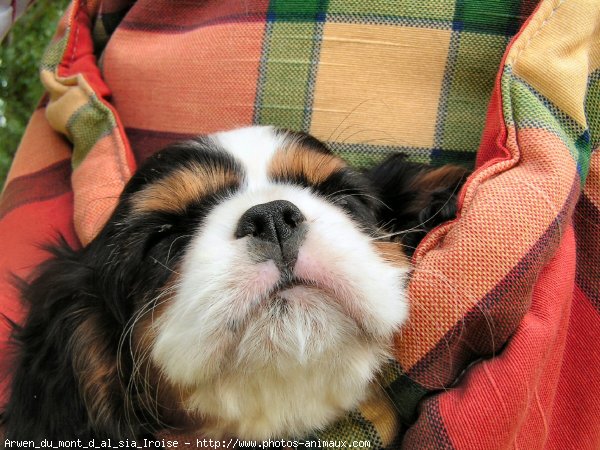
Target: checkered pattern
(505, 301)
(316, 63)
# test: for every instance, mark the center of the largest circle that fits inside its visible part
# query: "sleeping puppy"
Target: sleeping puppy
(242, 287)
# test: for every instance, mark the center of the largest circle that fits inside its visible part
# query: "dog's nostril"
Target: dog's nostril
(293, 217)
(256, 227)
(274, 221)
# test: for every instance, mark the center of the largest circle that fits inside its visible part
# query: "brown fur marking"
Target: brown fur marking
(446, 177)
(296, 160)
(391, 252)
(94, 363)
(178, 189)
(442, 177)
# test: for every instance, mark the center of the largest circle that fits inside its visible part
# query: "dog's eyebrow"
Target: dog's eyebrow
(189, 183)
(296, 162)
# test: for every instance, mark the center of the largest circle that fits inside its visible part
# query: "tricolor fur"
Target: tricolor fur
(242, 287)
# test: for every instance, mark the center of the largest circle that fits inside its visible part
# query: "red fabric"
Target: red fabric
(79, 55)
(574, 419)
(488, 409)
(492, 146)
(22, 253)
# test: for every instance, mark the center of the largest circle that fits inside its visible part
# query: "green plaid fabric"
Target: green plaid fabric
(478, 34)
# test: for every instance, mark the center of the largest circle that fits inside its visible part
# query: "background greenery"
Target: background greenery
(20, 88)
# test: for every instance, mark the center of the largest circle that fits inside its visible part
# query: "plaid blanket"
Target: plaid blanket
(502, 349)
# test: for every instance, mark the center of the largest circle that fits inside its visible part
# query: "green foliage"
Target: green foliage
(20, 88)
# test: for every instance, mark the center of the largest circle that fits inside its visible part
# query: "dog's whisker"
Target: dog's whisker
(150, 306)
(352, 111)
(368, 130)
(165, 266)
(359, 194)
(183, 236)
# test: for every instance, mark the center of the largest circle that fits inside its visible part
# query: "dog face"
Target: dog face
(239, 288)
(279, 309)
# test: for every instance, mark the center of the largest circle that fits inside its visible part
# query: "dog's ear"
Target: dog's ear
(416, 197)
(65, 383)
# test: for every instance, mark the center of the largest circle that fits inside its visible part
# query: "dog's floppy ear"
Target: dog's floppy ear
(416, 197)
(65, 381)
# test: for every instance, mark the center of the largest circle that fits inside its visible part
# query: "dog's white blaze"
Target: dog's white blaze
(256, 373)
(254, 147)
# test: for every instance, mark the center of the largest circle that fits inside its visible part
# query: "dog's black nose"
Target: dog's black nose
(274, 222)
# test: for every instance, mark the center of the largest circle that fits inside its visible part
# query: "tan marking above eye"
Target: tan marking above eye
(295, 160)
(176, 191)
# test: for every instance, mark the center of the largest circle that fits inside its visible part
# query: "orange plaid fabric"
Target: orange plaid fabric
(502, 346)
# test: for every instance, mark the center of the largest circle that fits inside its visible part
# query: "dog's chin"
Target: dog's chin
(299, 363)
(299, 356)
(296, 326)
(295, 363)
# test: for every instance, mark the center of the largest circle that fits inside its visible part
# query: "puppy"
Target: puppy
(242, 287)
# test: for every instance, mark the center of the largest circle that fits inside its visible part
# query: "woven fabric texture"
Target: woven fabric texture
(502, 348)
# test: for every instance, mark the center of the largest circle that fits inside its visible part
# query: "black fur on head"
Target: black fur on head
(416, 197)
